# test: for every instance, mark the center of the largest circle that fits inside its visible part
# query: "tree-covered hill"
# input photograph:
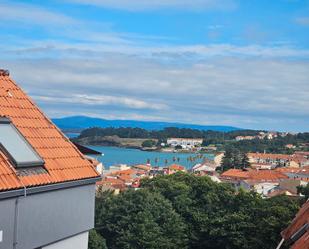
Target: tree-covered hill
(223, 140)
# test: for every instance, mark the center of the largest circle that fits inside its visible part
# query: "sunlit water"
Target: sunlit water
(115, 155)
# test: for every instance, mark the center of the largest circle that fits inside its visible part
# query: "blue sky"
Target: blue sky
(230, 62)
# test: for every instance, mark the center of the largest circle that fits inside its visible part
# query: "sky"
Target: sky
(242, 63)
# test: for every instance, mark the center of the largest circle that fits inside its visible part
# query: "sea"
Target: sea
(115, 155)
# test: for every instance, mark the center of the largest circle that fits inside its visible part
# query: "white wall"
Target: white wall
(76, 242)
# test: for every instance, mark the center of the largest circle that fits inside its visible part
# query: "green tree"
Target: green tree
(149, 143)
(304, 190)
(218, 217)
(96, 241)
(139, 219)
(186, 211)
(227, 161)
(244, 161)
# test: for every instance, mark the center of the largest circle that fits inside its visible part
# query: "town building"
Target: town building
(185, 143)
(208, 166)
(241, 138)
(250, 179)
(267, 158)
(47, 186)
(175, 168)
(262, 188)
(218, 158)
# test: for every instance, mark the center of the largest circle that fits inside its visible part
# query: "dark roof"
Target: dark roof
(86, 150)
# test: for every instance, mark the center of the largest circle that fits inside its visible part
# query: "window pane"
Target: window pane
(16, 146)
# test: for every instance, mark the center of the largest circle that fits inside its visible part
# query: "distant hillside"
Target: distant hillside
(83, 122)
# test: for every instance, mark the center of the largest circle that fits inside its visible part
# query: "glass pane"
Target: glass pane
(14, 144)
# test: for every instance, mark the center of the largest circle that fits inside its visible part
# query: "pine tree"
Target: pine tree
(245, 161)
(227, 160)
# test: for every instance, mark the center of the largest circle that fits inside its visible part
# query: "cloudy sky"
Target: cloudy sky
(222, 62)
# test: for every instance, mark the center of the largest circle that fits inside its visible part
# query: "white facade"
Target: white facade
(184, 142)
(118, 167)
(79, 241)
(262, 188)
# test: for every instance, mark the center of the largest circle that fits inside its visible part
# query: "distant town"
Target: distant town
(267, 173)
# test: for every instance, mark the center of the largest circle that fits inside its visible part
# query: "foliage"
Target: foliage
(96, 241)
(304, 190)
(149, 143)
(139, 219)
(235, 159)
(186, 211)
(225, 139)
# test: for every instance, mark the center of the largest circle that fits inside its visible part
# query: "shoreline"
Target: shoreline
(150, 150)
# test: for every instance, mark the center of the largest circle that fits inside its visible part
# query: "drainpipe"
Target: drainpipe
(280, 244)
(15, 232)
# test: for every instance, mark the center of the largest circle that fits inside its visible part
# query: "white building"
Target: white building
(185, 142)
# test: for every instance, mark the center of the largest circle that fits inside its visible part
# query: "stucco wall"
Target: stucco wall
(79, 241)
(47, 217)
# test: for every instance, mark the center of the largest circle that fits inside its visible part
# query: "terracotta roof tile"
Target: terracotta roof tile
(269, 156)
(302, 218)
(63, 161)
(257, 175)
(176, 167)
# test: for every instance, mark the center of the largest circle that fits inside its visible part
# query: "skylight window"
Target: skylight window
(16, 147)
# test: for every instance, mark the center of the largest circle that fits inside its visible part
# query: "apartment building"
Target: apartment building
(47, 186)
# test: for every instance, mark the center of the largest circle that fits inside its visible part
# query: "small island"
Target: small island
(186, 140)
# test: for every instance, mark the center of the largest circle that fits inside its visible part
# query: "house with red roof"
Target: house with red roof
(175, 168)
(267, 158)
(47, 186)
(261, 181)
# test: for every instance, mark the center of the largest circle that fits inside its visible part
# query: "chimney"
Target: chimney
(4, 72)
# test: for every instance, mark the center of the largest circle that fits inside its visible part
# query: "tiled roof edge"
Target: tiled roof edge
(45, 188)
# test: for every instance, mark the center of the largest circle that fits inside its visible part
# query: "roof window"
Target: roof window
(15, 146)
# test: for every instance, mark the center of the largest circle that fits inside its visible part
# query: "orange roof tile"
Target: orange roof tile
(269, 156)
(63, 161)
(302, 218)
(124, 172)
(257, 175)
(142, 167)
(176, 167)
(235, 173)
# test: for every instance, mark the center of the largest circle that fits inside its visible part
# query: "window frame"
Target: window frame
(25, 164)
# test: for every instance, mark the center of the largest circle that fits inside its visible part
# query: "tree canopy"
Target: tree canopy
(223, 140)
(187, 211)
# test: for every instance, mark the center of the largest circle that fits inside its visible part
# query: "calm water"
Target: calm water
(114, 155)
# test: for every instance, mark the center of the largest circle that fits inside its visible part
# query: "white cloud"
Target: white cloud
(138, 5)
(25, 13)
(247, 92)
(99, 100)
(303, 21)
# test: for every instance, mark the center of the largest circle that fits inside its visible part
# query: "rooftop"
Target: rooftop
(269, 156)
(297, 233)
(62, 160)
(258, 175)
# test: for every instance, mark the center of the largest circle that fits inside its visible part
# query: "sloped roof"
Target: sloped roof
(235, 173)
(269, 156)
(257, 175)
(176, 167)
(301, 219)
(63, 161)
